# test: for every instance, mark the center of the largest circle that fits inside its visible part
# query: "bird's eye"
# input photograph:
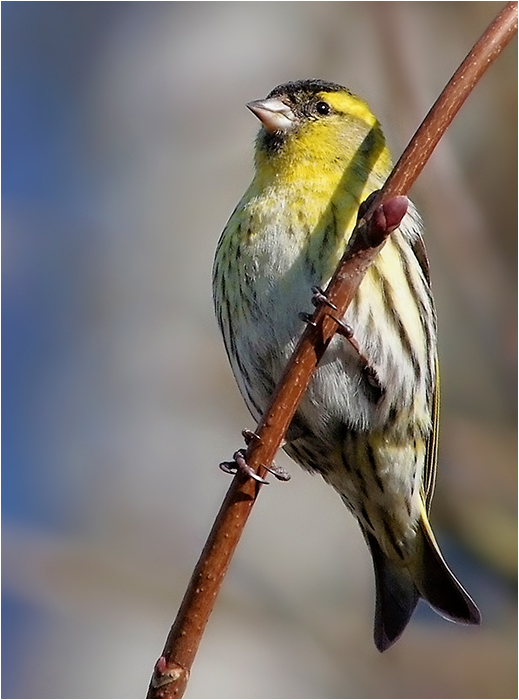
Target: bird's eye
(322, 108)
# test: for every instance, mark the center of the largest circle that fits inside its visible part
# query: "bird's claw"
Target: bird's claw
(307, 318)
(249, 436)
(319, 298)
(346, 331)
(279, 472)
(239, 464)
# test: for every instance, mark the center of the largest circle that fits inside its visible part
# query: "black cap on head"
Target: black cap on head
(302, 90)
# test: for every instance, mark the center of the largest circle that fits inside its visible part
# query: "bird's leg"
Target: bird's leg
(368, 370)
(239, 463)
(319, 298)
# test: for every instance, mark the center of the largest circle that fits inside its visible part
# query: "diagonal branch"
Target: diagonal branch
(384, 213)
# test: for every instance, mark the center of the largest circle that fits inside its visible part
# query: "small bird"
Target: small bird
(320, 153)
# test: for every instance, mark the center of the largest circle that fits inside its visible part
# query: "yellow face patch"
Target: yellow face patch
(324, 150)
(349, 105)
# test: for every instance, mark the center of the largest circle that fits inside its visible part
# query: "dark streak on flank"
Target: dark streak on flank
(373, 463)
(391, 537)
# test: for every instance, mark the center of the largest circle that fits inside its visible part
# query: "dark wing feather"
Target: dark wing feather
(431, 455)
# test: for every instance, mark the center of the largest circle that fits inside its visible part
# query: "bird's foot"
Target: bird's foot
(239, 463)
(319, 298)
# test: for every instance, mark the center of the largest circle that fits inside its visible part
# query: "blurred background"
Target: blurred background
(126, 145)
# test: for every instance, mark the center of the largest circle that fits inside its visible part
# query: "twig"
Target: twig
(172, 670)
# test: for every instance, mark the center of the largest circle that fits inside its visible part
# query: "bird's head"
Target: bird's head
(314, 123)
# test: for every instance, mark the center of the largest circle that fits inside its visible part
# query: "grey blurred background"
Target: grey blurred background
(126, 145)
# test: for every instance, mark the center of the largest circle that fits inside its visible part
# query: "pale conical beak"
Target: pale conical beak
(274, 114)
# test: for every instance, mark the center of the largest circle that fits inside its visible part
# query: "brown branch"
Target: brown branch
(172, 670)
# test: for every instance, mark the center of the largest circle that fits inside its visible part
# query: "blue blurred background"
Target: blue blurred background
(126, 145)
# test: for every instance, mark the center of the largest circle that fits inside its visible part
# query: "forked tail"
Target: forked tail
(399, 588)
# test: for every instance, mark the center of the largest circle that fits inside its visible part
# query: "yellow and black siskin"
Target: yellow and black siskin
(319, 153)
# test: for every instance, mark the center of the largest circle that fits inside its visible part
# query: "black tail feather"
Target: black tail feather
(438, 585)
(397, 597)
(398, 588)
